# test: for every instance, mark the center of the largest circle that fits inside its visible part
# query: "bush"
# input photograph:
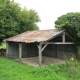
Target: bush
(72, 68)
(2, 52)
(78, 52)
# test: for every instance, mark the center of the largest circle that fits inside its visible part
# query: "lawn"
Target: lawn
(12, 70)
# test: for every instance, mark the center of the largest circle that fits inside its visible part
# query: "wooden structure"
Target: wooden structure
(41, 38)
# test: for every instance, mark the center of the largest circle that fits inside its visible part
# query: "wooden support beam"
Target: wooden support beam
(23, 44)
(37, 46)
(68, 35)
(58, 43)
(7, 47)
(63, 37)
(20, 52)
(40, 52)
(40, 55)
(44, 47)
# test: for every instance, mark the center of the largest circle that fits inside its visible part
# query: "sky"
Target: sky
(50, 10)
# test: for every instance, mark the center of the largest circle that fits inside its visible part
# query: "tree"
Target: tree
(29, 19)
(70, 22)
(15, 20)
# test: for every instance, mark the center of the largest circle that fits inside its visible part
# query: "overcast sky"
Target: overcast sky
(50, 10)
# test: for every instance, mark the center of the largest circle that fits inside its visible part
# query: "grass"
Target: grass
(3, 45)
(12, 70)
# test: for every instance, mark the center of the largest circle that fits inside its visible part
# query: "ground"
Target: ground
(34, 61)
(13, 70)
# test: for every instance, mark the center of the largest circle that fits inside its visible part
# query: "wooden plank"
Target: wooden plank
(58, 43)
(40, 55)
(20, 52)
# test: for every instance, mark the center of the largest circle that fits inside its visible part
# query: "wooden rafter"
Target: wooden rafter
(68, 35)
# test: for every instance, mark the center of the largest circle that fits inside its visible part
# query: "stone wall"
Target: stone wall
(60, 51)
(66, 51)
(66, 55)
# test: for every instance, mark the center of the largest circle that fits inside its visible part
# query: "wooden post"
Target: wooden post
(40, 54)
(20, 52)
(7, 47)
(63, 37)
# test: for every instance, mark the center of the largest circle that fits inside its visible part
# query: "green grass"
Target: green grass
(3, 46)
(12, 70)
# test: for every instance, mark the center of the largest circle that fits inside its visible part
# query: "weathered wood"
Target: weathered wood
(23, 44)
(63, 38)
(59, 33)
(37, 46)
(58, 43)
(44, 47)
(68, 35)
(40, 55)
(20, 52)
(7, 46)
(40, 52)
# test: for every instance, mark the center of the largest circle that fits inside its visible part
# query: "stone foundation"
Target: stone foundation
(59, 54)
(66, 55)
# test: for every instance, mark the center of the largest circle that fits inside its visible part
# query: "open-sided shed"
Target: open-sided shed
(53, 43)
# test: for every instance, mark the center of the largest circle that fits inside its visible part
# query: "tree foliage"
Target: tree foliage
(14, 19)
(70, 22)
